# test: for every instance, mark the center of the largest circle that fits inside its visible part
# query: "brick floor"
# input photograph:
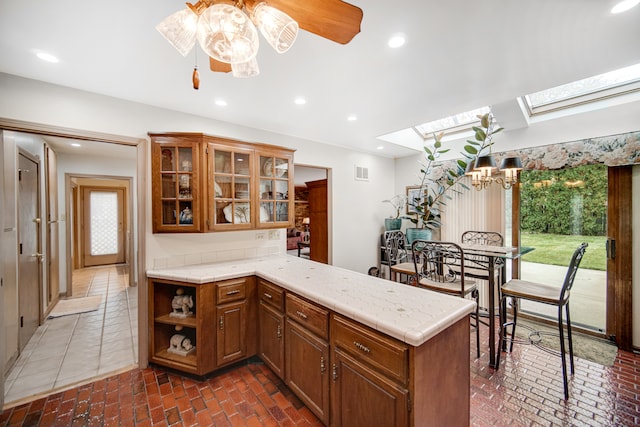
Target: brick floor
(525, 391)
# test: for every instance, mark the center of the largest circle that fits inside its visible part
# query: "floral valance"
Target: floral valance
(615, 150)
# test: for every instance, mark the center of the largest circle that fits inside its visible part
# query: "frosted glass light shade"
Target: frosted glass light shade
(180, 30)
(226, 34)
(278, 28)
(245, 69)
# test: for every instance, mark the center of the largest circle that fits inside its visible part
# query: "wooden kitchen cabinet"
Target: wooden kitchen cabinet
(163, 326)
(369, 373)
(271, 326)
(232, 314)
(175, 183)
(307, 354)
(202, 183)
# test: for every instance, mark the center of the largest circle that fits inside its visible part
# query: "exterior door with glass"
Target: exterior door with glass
(103, 226)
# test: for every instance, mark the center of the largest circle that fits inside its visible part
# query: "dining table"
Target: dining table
(491, 258)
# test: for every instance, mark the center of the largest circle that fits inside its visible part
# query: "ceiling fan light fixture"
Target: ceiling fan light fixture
(180, 30)
(227, 34)
(245, 69)
(278, 28)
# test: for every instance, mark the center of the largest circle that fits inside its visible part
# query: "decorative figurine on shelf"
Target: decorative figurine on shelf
(181, 304)
(180, 344)
(186, 216)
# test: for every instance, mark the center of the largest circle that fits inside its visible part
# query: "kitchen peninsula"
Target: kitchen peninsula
(358, 350)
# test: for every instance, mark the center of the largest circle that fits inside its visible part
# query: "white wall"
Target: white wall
(356, 210)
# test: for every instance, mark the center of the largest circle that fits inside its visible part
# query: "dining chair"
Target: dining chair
(546, 294)
(396, 255)
(474, 266)
(440, 267)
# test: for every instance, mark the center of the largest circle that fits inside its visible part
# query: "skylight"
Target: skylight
(613, 83)
(456, 123)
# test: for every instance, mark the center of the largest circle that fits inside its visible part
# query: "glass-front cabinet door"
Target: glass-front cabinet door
(230, 188)
(275, 189)
(175, 199)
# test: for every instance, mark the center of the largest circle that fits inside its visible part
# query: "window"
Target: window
(453, 124)
(614, 83)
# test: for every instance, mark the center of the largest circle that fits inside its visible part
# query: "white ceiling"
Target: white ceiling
(460, 55)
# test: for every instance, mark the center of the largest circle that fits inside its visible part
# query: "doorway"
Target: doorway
(559, 210)
(103, 226)
(29, 248)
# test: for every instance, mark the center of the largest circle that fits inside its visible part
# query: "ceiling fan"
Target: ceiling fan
(225, 29)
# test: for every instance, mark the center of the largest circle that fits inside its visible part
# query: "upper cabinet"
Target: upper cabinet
(217, 184)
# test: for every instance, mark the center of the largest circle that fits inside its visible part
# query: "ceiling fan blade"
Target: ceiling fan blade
(221, 67)
(332, 19)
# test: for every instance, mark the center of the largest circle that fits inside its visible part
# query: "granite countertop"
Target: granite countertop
(407, 313)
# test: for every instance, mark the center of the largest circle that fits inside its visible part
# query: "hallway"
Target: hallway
(71, 350)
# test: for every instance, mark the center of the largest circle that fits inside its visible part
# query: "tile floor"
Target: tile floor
(525, 391)
(69, 349)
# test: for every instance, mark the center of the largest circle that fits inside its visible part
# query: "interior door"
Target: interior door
(103, 226)
(29, 251)
(53, 262)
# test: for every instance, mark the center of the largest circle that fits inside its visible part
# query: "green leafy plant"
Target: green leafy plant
(435, 187)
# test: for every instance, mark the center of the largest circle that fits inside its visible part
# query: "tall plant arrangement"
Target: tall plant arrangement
(434, 189)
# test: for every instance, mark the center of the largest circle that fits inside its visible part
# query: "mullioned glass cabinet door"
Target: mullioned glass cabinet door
(275, 190)
(230, 188)
(175, 186)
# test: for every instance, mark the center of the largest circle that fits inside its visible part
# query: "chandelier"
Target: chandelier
(483, 169)
(226, 31)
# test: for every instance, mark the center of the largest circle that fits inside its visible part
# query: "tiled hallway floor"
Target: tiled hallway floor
(69, 349)
(526, 391)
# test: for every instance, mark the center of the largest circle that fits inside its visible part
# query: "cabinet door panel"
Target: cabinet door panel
(271, 339)
(232, 332)
(307, 361)
(363, 398)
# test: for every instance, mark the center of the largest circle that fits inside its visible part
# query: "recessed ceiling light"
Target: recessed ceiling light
(220, 102)
(624, 5)
(397, 41)
(75, 144)
(300, 100)
(380, 147)
(352, 118)
(47, 57)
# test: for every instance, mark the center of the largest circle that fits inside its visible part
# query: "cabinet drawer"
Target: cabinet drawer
(309, 315)
(271, 294)
(232, 290)
(386, 355)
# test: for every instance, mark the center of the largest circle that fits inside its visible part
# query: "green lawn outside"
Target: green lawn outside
(556, 249)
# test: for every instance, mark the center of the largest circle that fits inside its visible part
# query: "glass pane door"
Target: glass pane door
(559, 210)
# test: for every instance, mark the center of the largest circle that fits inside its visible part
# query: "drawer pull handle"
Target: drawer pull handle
(279, 331)
(268, 295)
(221, 322)
(334, 372)
(362, 347)
(233, 292)
(322, 365)
(301, 314)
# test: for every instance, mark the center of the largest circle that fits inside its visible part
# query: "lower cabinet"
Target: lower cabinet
(231, 339)
(308, 369)
(271, 336)
(361, 397)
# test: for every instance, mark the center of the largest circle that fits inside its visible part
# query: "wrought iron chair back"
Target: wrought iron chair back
(395, 247)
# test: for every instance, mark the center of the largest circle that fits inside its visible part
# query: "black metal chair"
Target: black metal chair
(474, 266)
(538, 292)
(396, 256)
(441, 268)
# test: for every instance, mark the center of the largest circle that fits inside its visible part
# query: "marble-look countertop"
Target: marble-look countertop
(410, 314)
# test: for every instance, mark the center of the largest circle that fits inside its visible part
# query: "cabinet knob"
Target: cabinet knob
(334, 372)
(322, 365)
(221, 322)
(279, 331)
